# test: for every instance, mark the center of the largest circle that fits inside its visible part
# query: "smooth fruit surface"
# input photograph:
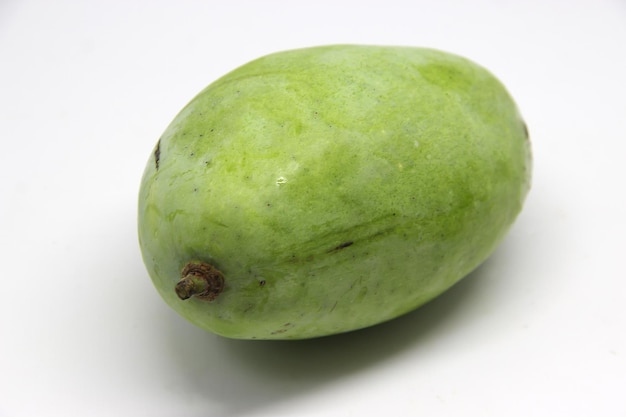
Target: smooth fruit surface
(331, 188)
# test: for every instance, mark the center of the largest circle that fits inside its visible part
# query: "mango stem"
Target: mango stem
(190, 285)
(199, 279)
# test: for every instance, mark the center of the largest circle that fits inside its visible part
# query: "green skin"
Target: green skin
(334, 187)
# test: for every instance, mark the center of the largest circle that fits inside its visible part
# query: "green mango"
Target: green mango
(322, 190)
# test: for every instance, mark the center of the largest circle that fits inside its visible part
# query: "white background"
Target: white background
(87, 87)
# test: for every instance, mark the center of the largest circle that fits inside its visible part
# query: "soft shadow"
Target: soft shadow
(239, 377)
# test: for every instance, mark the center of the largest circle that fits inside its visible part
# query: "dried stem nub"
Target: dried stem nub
(201, 280)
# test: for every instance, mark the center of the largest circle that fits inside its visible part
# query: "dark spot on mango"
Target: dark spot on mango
(341, 246)
(157, 154)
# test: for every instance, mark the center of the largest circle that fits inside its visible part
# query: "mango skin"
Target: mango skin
(335, 188)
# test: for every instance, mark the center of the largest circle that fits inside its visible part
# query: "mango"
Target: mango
(322, 190)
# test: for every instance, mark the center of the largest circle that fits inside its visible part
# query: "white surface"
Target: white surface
(87, 87)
